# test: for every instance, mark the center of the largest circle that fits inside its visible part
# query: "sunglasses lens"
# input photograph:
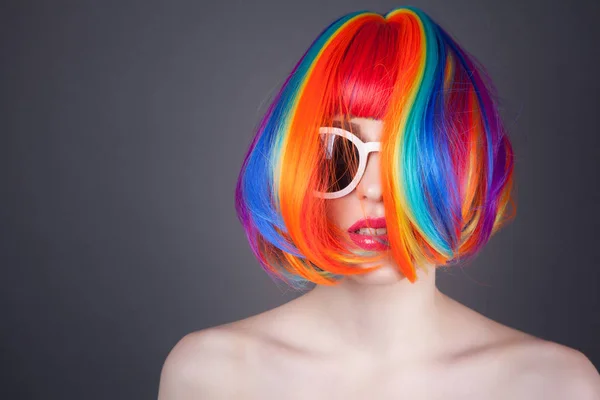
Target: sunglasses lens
(340, 161)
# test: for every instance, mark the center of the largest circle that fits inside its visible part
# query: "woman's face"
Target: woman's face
(366, 200)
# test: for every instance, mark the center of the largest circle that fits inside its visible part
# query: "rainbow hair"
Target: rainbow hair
(446, 161)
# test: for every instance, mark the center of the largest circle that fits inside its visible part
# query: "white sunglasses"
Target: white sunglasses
(329, 135)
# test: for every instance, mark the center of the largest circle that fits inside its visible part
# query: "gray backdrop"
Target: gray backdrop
(124, 125)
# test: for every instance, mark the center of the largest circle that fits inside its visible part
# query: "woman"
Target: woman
(382, 158)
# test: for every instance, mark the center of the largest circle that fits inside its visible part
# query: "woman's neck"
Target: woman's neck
(396, 318)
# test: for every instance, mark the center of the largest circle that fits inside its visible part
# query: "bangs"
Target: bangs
(363, 81)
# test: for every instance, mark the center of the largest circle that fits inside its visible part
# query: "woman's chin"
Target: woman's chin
(386, 274)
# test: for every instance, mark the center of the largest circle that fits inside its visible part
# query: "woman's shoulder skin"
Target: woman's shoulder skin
(220, 362)
(543, 369)
(204, 364)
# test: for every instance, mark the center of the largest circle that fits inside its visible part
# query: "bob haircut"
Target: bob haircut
(446, 161)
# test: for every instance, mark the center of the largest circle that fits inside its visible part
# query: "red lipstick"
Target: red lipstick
(369, 242)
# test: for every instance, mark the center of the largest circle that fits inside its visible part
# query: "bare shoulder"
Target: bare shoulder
(521, 366)
(201, 366)
(219, 362)
(537, 368)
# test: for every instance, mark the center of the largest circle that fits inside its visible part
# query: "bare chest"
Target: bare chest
(305, 379)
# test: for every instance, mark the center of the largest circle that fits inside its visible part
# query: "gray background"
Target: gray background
(124, 125)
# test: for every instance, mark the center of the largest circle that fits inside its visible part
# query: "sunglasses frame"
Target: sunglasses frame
(364, 149)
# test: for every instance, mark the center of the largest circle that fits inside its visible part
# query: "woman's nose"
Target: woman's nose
(369, 187)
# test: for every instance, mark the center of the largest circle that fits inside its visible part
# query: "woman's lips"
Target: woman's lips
(368, 223)
(370, 242)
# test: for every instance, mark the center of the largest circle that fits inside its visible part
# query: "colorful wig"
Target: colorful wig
(446, 161)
